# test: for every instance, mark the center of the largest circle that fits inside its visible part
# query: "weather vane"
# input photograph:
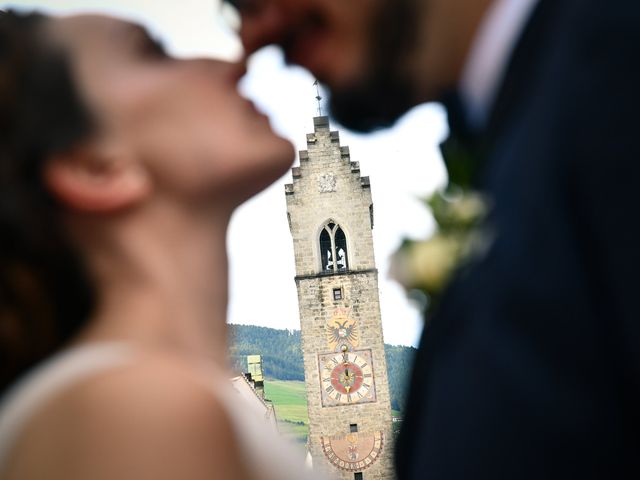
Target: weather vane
(318, 98)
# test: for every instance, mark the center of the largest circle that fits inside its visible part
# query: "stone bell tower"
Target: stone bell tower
(331, 218)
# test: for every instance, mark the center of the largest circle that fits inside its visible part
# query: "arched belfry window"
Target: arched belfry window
(333, 248)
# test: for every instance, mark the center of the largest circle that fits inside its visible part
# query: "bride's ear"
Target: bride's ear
(91, 178)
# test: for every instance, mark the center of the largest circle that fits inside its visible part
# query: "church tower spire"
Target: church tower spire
(330, 214)
(318, 98)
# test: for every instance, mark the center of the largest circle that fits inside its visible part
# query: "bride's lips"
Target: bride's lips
(254, 110)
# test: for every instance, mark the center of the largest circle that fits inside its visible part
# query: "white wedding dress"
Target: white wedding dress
(269, 456)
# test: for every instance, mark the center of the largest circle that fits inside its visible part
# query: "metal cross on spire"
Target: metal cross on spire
(318, 98)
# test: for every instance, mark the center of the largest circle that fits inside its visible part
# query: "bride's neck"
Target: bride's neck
(162, 281)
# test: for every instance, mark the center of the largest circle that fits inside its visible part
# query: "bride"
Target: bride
(119, 170)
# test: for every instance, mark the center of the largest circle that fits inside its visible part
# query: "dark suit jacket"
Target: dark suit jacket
(530, 368)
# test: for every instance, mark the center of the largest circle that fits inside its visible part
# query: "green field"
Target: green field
(290, 402)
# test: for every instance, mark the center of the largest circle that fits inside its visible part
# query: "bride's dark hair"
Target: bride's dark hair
(45, 293)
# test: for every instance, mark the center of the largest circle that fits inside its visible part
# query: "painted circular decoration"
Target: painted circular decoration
(346, 378)
(353, 452)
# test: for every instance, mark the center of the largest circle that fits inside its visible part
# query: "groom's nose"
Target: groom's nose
(264, 22)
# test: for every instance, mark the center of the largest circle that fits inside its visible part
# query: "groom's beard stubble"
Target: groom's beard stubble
(385, 92)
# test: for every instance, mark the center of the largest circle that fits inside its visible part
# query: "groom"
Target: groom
(531, 367)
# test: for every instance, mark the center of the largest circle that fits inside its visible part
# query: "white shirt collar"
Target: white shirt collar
(490, 52)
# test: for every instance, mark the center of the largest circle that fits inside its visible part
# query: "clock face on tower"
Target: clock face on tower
(346, 378)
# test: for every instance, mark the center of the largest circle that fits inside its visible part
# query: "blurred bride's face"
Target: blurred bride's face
(183, 119)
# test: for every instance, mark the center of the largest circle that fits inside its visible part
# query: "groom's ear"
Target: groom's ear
(97, 178)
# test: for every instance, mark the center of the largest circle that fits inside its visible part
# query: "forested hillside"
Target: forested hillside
(282, 357)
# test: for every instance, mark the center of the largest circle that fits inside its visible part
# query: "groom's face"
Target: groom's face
(358, 48)
(328, 37)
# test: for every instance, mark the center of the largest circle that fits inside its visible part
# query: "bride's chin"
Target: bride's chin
(278, 165)
(280, 158)
(262, 178)
(288, 153)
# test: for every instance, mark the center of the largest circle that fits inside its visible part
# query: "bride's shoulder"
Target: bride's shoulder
(154, 392)
(152, 417)
(149, 384)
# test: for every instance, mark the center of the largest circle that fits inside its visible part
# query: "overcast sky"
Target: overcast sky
(403, 163)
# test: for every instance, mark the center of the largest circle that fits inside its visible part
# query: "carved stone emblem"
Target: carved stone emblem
(327, 183)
